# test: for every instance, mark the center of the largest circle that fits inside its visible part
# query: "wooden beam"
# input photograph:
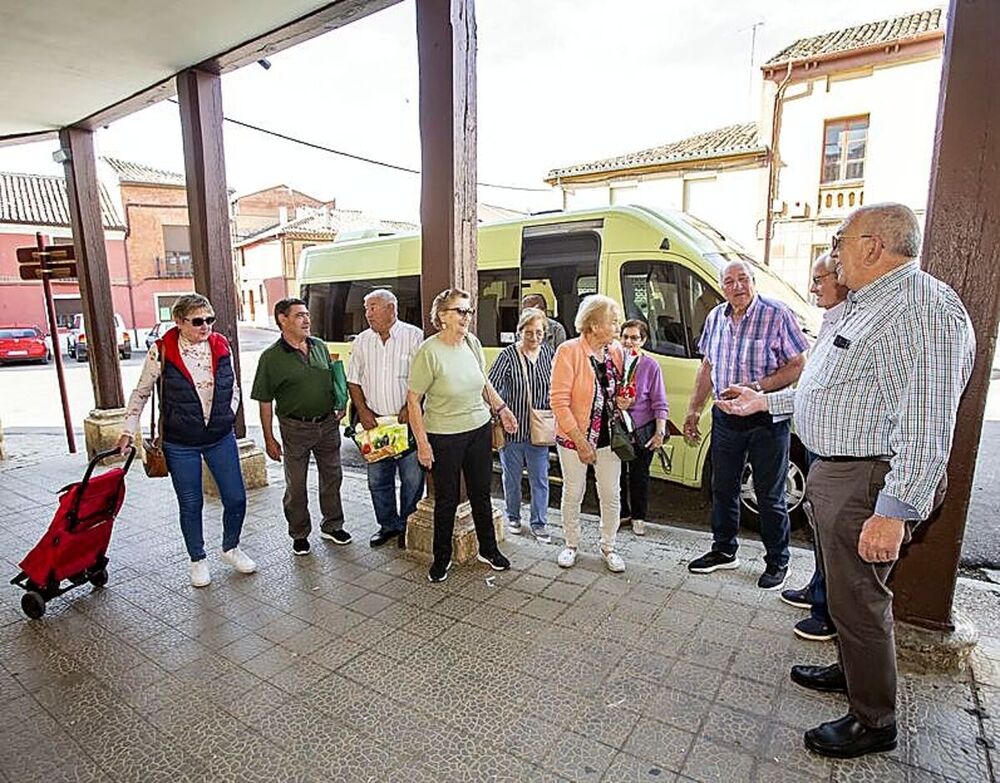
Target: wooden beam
(446, 46)
(961, 247)
(92, 263)
(200, 98)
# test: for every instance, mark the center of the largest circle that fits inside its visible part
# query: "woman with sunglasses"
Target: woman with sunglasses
(447, 401)
(193, 370)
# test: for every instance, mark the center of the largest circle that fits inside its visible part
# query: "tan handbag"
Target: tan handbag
(155, 461)
(542, 422)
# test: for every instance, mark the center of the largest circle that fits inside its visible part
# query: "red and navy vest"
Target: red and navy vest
(183, 418)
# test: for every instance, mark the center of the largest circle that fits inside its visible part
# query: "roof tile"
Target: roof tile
(127, 171)
(41, 200)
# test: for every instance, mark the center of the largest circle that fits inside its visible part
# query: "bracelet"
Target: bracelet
(501, 409)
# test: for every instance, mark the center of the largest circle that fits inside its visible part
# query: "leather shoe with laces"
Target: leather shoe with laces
(826, 679)
(848, 738)
(382, 537)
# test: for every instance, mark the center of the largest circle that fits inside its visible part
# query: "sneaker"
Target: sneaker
(541, 535)
(514, 526)
(438, 574)
(639, 527)
(713, 561)
(200, 577)
(815, 630)
(614, 562)
(238, 560)
(773, 578)
(496, 561)
(567, 558)
(797, 598)
(300, 546)
(341, 537)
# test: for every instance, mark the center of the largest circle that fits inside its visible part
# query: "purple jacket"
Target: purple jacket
(650, 395)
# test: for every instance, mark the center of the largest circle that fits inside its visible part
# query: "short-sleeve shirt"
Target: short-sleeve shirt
(381, 369)
(766, 338)
(451, 379)
(300, 385)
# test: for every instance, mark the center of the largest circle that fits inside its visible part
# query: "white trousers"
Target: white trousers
(574, 475)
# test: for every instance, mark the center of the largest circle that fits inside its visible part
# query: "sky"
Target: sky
(559, 82)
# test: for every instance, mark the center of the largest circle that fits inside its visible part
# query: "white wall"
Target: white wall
(263, 261)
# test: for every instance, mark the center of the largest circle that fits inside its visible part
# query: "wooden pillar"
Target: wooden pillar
(961, 247)
(200, 98)
(446, 46)
(82, 188)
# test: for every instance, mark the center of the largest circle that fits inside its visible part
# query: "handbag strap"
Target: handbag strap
(482, 369)
(152, 410)
(527, 383)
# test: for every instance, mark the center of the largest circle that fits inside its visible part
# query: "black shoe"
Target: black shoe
(797, 598)
(826, 679)
(815, 630)
(341, 536)
(437, 573)
(496, 561)
(713, 561)
(300, 546)
(382, 537)
(401, 541)
(848, 738)
(773, 578)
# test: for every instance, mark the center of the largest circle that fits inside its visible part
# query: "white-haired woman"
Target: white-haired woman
(586, 379)
(452, 426)
(521, 376)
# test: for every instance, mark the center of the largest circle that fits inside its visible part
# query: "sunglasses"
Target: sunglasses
(208, 319)
(462, 311)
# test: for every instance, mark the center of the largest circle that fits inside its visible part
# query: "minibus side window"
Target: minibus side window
(337, 310)
(498, 307)
(650, 293)
(698, 299)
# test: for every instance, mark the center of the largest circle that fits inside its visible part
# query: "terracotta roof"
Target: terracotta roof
(41, 200)
(327, 224)
(730, 140)
(861, 36)
(137, 173)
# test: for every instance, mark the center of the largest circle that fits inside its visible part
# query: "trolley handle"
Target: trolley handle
(86, 478)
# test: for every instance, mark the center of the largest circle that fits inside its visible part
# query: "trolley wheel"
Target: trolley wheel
(32, 604)
(99, 578)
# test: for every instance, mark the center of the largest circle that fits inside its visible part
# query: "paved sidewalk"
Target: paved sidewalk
(347, 665)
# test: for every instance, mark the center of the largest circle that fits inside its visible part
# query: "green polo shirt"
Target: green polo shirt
(298, 385)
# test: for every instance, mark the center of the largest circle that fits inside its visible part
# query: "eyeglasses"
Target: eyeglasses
(463, 312)
(533, 332)
(836, 239)
(817, 278)
(636, 337)
(743, 280)
(208, 319)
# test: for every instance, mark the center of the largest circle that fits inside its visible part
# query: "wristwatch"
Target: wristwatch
(756, 386)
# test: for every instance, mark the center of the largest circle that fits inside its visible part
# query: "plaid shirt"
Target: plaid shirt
(886, 383)
(765, 339)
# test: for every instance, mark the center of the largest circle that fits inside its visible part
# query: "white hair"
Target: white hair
(747, 267)
(596, 309)
(384, 294)
(896, 225)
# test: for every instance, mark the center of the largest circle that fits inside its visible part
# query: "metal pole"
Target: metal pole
(50, 308)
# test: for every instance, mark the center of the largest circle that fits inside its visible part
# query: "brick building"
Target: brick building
(263, 209)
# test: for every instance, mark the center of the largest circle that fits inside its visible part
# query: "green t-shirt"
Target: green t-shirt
(451, 380)
(299, 386)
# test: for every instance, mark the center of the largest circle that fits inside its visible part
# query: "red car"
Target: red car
(23, 344)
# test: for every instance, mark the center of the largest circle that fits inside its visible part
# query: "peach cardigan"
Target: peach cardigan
(573, 384)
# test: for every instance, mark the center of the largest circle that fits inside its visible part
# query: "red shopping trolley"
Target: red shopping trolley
(74, 548)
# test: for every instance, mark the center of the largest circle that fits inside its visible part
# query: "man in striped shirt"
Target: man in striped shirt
(376, 379)
(877, 404)
(748, 340)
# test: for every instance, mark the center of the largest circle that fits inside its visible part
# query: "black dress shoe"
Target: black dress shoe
(848, 738)
(382, 537)
(827, 679)
(401, 541)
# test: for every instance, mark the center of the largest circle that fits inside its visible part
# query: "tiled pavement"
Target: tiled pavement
(347, 665)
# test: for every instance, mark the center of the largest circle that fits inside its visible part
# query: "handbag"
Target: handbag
(154, 461)
(622, 442)
(498, 437)
(541, 423)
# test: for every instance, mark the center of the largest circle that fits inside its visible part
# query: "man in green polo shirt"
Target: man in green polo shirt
(294, 374)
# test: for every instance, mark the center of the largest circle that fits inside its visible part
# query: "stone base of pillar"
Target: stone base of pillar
(465, 545)
(253, 466)
(921, 650)
(101, 430)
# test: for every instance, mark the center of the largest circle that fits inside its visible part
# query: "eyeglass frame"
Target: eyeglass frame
(817, 278)
(836, 239)
(463, 312)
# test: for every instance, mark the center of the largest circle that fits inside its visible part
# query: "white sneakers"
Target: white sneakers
(639, 527)
(238, 560)
(235, 557)
(567, 558)
(613, 560)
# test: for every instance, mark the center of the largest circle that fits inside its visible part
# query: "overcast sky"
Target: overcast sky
(560, 82)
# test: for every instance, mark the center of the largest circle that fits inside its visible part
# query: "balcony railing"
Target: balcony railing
(174, 264)
(838, 198)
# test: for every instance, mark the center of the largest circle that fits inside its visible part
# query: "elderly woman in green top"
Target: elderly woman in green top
(452, 427)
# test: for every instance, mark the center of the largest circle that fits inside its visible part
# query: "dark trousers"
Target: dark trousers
(765, 443)
(299, 439)
(842, 497)
(635, 476)
(469, 455)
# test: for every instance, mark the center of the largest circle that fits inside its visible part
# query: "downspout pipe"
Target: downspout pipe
(775, 158)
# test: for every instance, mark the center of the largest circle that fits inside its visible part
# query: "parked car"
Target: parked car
(157, 332)
(23, 344)
(76, 340)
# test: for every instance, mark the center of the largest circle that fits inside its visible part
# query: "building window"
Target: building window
(844, 146)
(176, 261)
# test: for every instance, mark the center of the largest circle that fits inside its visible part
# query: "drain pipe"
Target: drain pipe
(772, 173)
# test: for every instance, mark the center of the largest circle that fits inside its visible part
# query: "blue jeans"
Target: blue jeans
(515, 456)
(382, 485)
(765, 443)
(223, 460)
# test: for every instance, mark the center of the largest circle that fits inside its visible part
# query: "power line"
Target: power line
(361, 158)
